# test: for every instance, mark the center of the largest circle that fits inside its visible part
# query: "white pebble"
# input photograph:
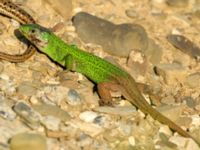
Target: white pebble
(88, 116)
(131, 140)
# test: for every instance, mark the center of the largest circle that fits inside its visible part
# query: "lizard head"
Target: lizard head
(36, 34)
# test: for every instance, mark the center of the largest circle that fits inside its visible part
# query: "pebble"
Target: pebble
(117, 40)
(131, 13)
(5, 110)
(184, 143)
(51, 122)
(166, 141)
(193, 80)
(31, 117)
(185, 45)
(56, 94)
(89, 128)
(138, 63)
(30, 141)
(168, 100)
(177, 3)
(53, 110)
(73, 98)
(88, 116)
(154, 52)
(172, 112)
(123, 111)
(172, 73)
(27, 88)
(190, 102)
(84, 140)
(63, 7)
(125, 128)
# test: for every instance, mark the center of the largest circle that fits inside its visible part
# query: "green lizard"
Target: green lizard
(107, 76)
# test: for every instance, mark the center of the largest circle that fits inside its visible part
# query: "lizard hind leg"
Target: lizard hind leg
(104, 89)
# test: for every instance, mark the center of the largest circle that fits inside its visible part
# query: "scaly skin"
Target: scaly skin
(11, 10)
(104, 74)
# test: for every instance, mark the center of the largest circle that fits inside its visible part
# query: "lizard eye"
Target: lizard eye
(32, 31)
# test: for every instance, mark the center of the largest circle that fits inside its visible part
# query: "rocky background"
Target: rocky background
(43, 106)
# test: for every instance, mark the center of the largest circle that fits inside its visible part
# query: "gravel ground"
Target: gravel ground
(46, 107)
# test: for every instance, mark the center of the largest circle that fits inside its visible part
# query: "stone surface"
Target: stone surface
(193, 80)
(31, 117)
(177, 3)
(46, 109)
(24, 141)
(118, 40)
(185, 45)
(172, 73)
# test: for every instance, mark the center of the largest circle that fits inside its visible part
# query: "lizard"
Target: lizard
(107, 76)
(11, 10)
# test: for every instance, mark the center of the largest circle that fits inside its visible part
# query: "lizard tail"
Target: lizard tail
(132, 94)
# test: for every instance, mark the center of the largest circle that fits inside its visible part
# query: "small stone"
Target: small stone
(196, 120)
(137, 62)
(5, 111)
(31, 117)
(178, 3)
(125, 129)
(165, 140)
(88, 116)
(131, 140)
(51, 123)
(4, 77)
(172, 73)
(184, 143)
(123, 111)
(53, 110)
(190, 102)
(84, 140)
(131, 13)
(158, 1)
(165, 130)
(154, 52)
(56, 94)
(89, 128)
(124, 145)
(27, 88)
(193, 80)
(172, 112)
(168, 100)
(73, 98)
(24, 141)
(185, 45)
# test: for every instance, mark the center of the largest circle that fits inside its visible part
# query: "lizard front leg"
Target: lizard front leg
(69, 62)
